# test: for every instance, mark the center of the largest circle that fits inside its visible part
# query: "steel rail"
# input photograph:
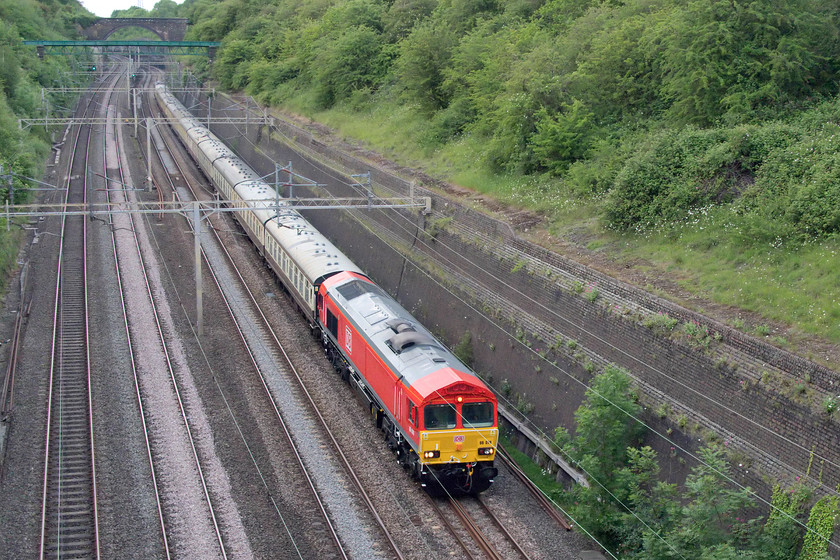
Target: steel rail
(133, 360)
(451, 527)
(544, 502)
(69, 492)
(7, 400)
(181, 405)
(498, 523)
(474, 531)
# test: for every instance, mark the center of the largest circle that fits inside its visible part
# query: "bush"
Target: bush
(679, 172)
(563, 138)
(464, 349)
(354, 61)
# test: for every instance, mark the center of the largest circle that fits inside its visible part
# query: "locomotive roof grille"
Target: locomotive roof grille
(356, 288)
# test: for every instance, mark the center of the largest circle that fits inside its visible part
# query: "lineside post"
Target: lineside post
(149, 154)
(199, 304)
(134, 92)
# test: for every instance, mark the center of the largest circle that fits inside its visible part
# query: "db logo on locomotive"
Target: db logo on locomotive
(348, 339)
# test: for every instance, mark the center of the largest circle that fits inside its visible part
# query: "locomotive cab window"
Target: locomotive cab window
(439, 417)
(477, 415)
(412, 412)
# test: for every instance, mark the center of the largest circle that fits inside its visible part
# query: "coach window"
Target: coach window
(439, 417)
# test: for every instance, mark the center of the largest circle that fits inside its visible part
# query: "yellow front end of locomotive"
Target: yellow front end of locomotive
(458, 446)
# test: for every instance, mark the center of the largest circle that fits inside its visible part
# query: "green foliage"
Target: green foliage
(403, 15)
(354, 61)
(728, 59)
(712, 506)
(706, 125)
(231, 63)
(564, 86)
(464, 349)
(9, 71)
(798, 185)
(605, 423)
(653, 504)
(22, 75)
(782, 532)
(423, 57)
(696, 334)
(661, 323)
(681, 171)
(562, 139)
(821, 523)
(632, 512)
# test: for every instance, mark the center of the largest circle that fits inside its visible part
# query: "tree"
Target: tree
(354, 61)
(9, 71)
(563, 138)
(724, 58)
(403, 15)
(423, 56)
(653, 504)
(606, 424)
(605, 428)
(232, 61)
(165, 9)
(782, 532)
(710, 518)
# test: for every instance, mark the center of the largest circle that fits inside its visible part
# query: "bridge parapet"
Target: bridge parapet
(168, 29)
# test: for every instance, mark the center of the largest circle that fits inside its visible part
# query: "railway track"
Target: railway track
(480, 534)
(69, 516)
(111, 140)
(147, 337)
(268, 356)
(540, 498)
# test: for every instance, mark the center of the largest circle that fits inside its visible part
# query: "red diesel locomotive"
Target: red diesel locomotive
(438, 417)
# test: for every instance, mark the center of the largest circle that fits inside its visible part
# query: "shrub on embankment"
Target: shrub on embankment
(634, 514)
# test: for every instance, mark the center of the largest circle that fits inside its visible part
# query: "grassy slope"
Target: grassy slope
(790, 294)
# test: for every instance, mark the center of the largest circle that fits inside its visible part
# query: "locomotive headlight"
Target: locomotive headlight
(485, 450)
(431, 454)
